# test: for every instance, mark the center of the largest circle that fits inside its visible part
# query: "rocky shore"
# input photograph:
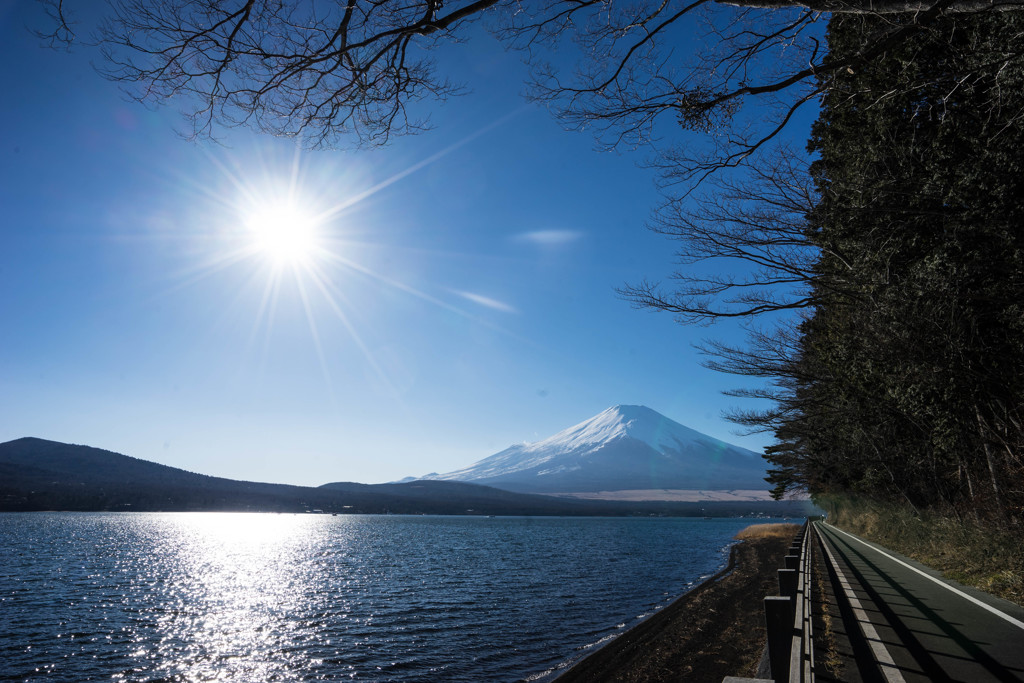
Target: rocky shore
(715, 630)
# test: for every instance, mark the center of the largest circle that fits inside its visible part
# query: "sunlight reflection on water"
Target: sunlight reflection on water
(260, 597)
(239, 578)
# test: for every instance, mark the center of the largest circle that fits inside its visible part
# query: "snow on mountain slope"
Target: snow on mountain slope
(625, 447)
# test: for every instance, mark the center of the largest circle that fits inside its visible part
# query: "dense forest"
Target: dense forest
(904, 380)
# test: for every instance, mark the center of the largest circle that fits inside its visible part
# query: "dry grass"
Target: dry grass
(755, 531)
(827, 635)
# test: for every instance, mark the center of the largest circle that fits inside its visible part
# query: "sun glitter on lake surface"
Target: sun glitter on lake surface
(225, 596)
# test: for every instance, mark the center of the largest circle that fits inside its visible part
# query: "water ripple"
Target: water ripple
(235, 597)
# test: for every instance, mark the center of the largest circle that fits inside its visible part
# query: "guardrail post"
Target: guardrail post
(789, 579)
(778, 616)
(792, 561)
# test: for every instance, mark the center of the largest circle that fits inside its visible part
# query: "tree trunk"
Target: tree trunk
(990, 461)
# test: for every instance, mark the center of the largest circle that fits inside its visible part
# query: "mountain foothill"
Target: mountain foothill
(628, 460)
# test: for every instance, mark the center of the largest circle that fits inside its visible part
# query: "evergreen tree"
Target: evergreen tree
(909, 381)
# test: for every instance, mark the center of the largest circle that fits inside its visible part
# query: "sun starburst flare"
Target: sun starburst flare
(284, 232)
(295, 235)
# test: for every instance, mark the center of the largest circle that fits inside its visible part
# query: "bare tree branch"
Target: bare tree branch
(348, 71)
(757, 223)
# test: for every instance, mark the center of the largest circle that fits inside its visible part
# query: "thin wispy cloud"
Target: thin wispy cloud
(549, 238)
(486, 301)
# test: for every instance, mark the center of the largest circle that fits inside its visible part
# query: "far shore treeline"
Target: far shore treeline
(36, 474)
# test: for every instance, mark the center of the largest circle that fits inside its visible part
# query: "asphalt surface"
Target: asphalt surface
(918, 626)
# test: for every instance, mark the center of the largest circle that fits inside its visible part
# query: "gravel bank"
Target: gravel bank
(715, 630)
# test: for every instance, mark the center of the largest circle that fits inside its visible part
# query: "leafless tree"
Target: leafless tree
(337, 72)
(757, 224)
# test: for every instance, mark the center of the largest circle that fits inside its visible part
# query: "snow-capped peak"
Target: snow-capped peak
(622, 448)
(637, 422)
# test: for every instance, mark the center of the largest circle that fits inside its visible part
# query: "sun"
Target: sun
(284, 232)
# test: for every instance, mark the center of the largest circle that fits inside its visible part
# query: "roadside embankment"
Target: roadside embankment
(713, 631)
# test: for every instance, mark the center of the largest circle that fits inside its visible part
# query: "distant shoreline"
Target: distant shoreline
(680, 496)
(36, 474)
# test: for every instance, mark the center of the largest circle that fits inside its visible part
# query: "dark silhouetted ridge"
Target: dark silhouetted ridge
(36, 474)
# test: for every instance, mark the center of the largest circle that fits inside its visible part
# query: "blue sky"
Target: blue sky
(462, 301)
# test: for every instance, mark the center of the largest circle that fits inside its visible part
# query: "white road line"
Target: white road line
(1016, 622)
(882, 656)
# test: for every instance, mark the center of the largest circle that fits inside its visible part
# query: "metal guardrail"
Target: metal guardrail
(788, 618)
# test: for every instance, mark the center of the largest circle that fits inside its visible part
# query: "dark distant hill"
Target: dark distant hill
(36, 474)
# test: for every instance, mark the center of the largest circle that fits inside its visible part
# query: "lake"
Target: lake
(264, 597)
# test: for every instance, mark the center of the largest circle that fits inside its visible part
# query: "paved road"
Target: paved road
(921, 627)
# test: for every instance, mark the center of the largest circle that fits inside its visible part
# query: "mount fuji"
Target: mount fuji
(623, 449)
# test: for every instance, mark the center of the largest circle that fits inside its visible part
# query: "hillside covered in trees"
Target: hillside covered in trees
(907, 378)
